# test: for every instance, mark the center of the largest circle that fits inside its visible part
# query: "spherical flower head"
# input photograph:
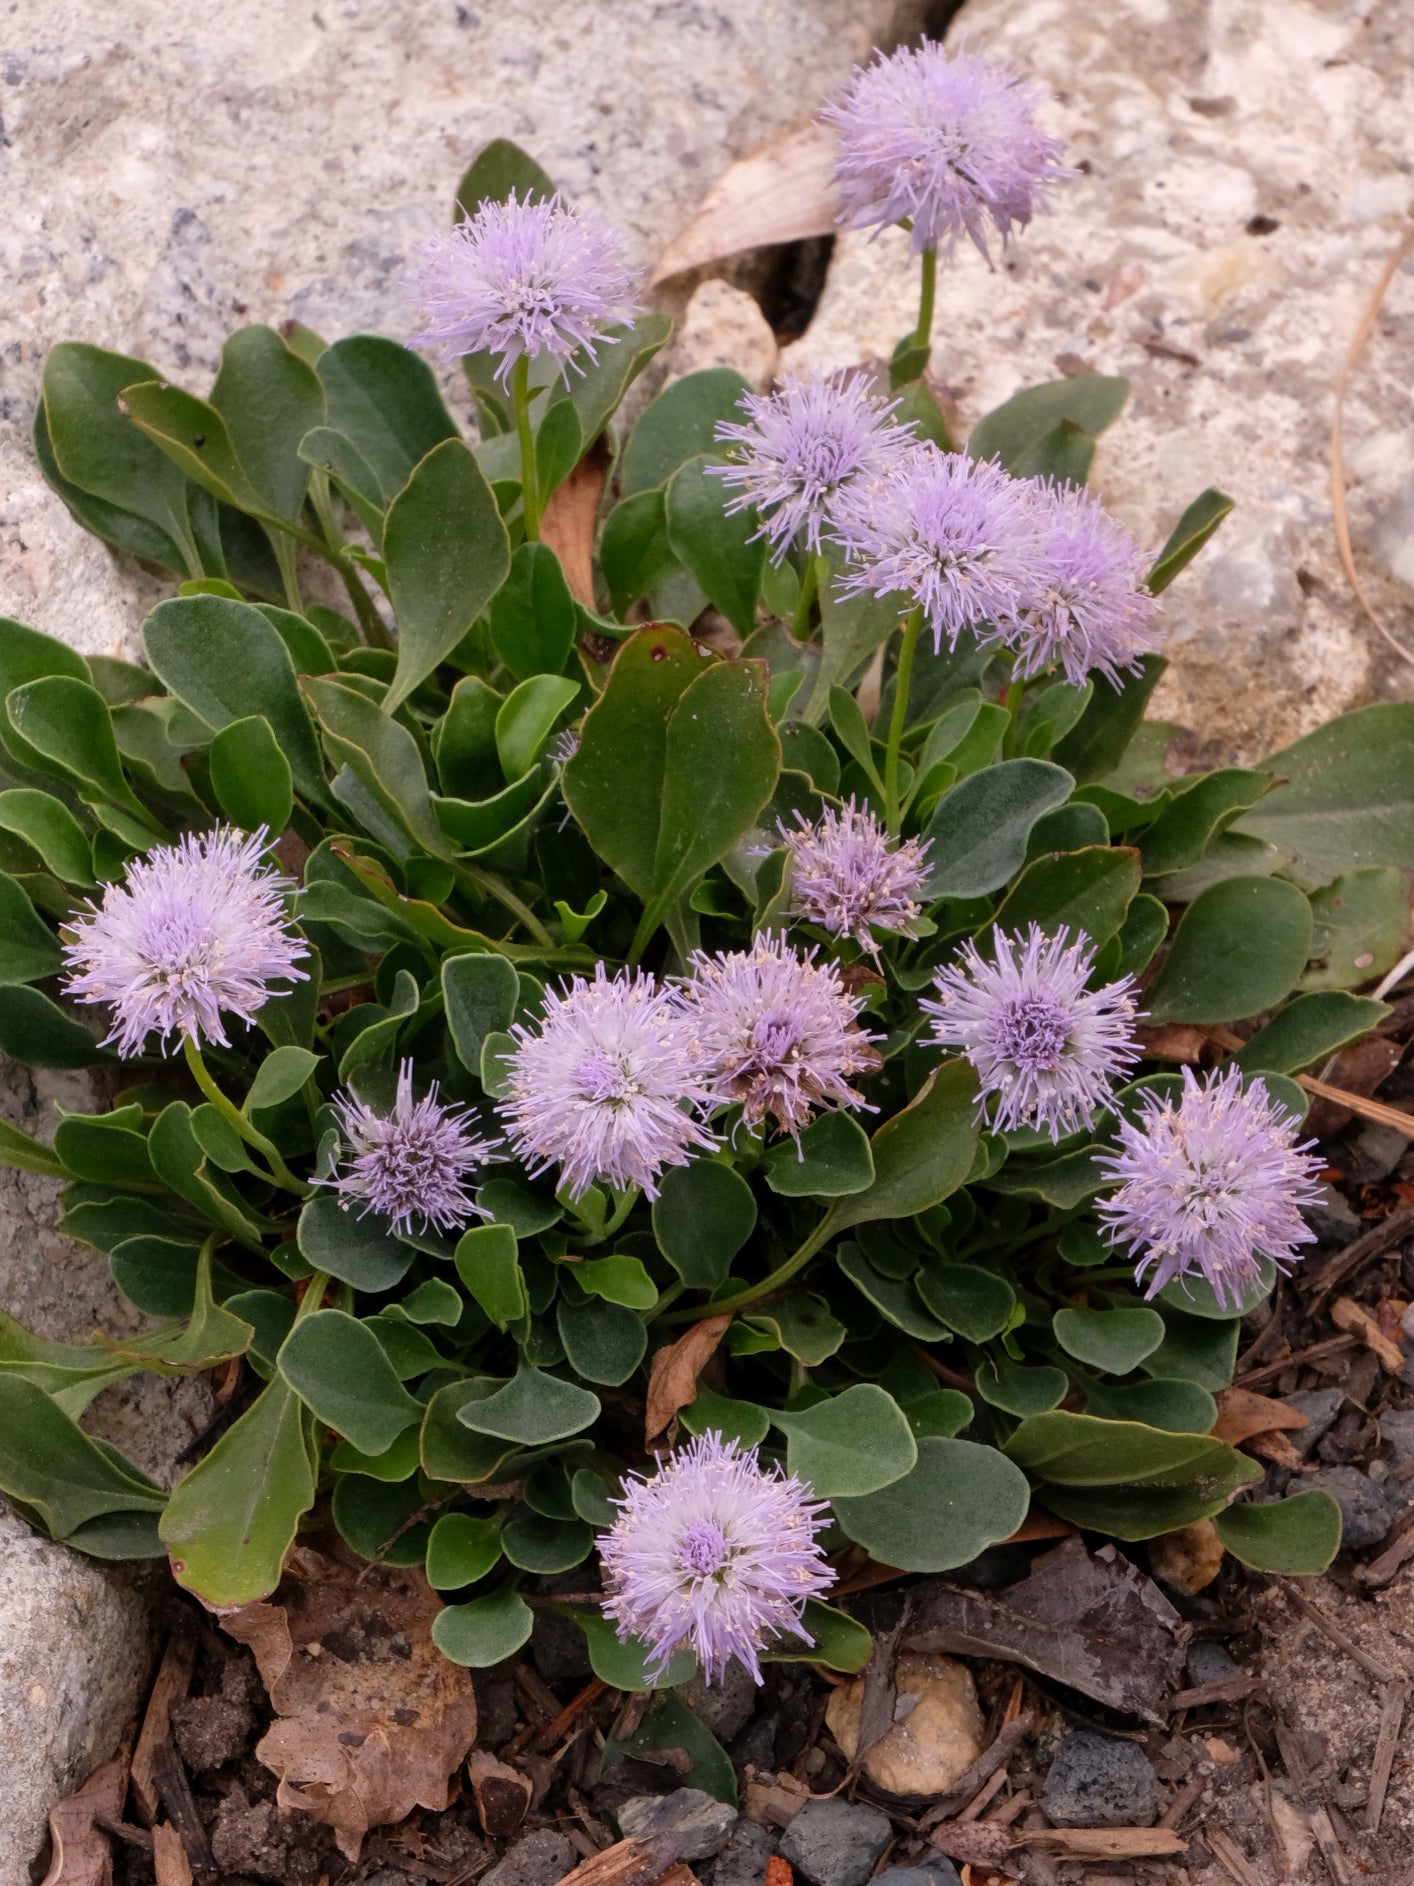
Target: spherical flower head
(604, 1086)
(774, 1031)
(850, 877)
(192, 931)
(802, 446)
(410, 1167)
(951, 534)
(716, 1554)
(946, 141)
(521, 279)
(1088, 609)
(1210, 1186)
(1045, 1046)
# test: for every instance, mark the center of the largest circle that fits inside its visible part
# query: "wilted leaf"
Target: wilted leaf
(1241, 1414)
(82, 1855)
(780, 192)
(372, 1720)
(672, 1382)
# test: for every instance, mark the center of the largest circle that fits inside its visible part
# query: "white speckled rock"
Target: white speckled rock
(722, 326)
(73, 1662)
(1246, 172)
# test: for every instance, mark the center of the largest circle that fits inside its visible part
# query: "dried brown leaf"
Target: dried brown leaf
(568, 523)
(1241, 1414)
(372, 1720)
(672, 1381)
(1086, 1619)
(502, 1793)
(1105, 1843)
(1173, 1041)
(780, 192)
(82, 1855)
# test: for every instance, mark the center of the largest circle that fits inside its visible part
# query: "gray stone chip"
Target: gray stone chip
(699, 1825)
(1099, 1781)
(836, 1843)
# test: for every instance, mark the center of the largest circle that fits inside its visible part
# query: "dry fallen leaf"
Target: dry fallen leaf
(372, 1719)
(568, 523)
(1241, 1414)
(1173, 1041)
(780, 192)
(672, 1382)
(502, 1793)
(82, 1855)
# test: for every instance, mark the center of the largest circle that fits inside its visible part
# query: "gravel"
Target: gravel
(1207, 1662)
(937, 1872)
(1098, 1781)
(1397, 1433)
(1331, 1218)
(540, 1859)
(1365, 1511)
(1320, 1406)
(700, 1825)
(836, 1843)
(742, 1861)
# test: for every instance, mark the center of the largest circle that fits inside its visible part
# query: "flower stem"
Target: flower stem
(927, 295)
(529, 477)
(809, 584)
(898, 720)
(728, 1306)
(1011, 701)
(235, 1119)
(497, 887)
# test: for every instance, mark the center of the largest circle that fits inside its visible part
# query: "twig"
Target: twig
(1380, 1671)
(1372, 1243)
(575, 1707)
(973, 1810)
(1227, 1852)
(1329, 1846)
(170, 1686)
(976, 1773)
(176, 1796)
(1391, 1719)
(1222, 1689)
(1381, 1571)
(1183, 1800)
(1330, 1346)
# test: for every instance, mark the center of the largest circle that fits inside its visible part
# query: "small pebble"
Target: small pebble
(540, 1859)
(1099, 1781)
(1331, 1218)
(939, 1872)
(742, 1861)
(1397, 1433)
(726, 1706)
(1207, 1662)
(1320, 1406)
(699, 1824)
(836, 1843)
(1364, 1510)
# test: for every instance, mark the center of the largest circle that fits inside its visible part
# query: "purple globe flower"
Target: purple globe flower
(192, 931)
(521, 279)
(774, 1031)
(604, 1087)
(1088, 609)
(847, 875)
(716, 1554)
(947, 142)
(1211, 1185)
(804, 444)
(1046, 1048)
(950, 534)
(410, 1167)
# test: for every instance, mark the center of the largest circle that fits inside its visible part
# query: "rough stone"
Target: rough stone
(1376, 1151)
(699, 1824)
(73, 1663)
(1331, 1218)
(743, 1860)
(935, 1872)
(539, 1859)
(1365, 1513)
(726, 1706)
(937, 1730)
(1098, 1781)
(1245, 178)
(1207, 1662)
(1320, 1406)
(836, 1843)
(723, 326)
(1397, 1433)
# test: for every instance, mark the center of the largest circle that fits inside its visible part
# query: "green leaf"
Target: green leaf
(533, 618)
(851, 629)
(1086, 892)
(527, 718)
(251, 776)
(1088, 401)
(1298, 1536)
(670, 1724)
(1019, 1391)
(385, 401)
(974, 1302)
(1077, 1450)
(1182, 1406)
(191, 433)
(36, 1030)
(1360, 922)
(105, 1148)
(1140, 935)
(959, 1499)
(634, 552)
(1194, 1295)
(337, 1367)
(702, 1216)
(896, 1298)
(68, 723)
(382, 756)
(1189, 535)
(462, 1550)
(1239, 948)
(835, 1639)
(1064, 453)
(1194, 816)
(48, 826)
(48, 1462)
(358, 1251)
(624, 1665)
(604, 1342)
(849, 1445)
(678, 424)
(480, 994)
(922, 1154)
(617, 1279)
(832, 1159)
(978, 831)
(725, 552)
(533, 1543)
(28, 948)
(1114, 1340)
(230, 1522)
(23, 1154)
(226, 662)
(379, 1518)
(1096, 744)
(269, 398)
(484, 1631)
(280, 1076)
(734, 1420)
(532, 1408)
(1309, 1029)
(1196, 1349)
(1346, 796)
(801, 1324)
(488, 1264)
(447, 554)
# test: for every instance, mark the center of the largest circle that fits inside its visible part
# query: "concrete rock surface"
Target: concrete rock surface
(1246, 174)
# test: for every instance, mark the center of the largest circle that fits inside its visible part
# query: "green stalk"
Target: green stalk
(728, 1306)
(235, 1119)
(927, 297)
(498, 888)
(529, 477)
(809, 584)
(898, 720)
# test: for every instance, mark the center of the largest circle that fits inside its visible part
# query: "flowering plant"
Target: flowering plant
(532, 1036)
